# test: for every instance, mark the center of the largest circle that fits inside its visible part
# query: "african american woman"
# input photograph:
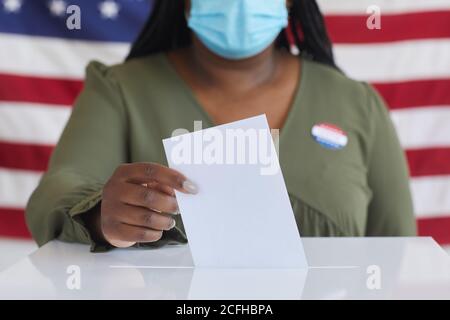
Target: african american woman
(218, 61)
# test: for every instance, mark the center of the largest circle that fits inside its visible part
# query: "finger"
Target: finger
(121, 244)
(143, 217)
(137, 195)
(125, 233)
(148, 172)
(161, 187)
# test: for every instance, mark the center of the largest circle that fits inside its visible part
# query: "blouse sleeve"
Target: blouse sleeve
(92, 145)
(390, 210)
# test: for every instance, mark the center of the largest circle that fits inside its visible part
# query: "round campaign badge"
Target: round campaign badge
(329, 136)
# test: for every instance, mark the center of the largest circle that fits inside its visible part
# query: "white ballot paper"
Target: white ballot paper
(241, 216)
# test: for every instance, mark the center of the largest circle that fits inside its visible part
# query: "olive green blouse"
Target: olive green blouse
(125, 111)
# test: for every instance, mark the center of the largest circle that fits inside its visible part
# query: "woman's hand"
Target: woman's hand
(139, 203)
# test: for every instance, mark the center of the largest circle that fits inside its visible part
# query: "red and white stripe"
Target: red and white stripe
(408, 61)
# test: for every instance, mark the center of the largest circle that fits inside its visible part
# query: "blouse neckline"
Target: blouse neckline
(186, 90)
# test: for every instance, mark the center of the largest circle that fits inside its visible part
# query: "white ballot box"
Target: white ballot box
(339, 268)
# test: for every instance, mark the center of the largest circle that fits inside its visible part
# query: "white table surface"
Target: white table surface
(339, 268)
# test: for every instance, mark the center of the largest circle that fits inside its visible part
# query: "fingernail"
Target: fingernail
(173, 224)
(190, 187)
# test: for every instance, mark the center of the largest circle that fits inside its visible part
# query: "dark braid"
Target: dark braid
(314, 42)
(166, 29)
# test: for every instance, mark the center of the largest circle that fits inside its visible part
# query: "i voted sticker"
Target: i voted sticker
(329, 136)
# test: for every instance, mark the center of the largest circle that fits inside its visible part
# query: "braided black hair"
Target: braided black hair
(166, 29)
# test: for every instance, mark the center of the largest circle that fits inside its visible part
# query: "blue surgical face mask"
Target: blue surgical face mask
(237, 29)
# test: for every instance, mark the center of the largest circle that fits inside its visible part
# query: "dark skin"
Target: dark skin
(139, 200)
(265, 83)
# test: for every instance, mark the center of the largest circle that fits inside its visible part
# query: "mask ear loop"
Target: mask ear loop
(293, 48)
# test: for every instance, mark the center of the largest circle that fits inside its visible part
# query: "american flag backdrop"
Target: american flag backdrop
(42, 68)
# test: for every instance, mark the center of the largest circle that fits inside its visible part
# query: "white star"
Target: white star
(57, 7)
(12, 5)
(109, 9)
